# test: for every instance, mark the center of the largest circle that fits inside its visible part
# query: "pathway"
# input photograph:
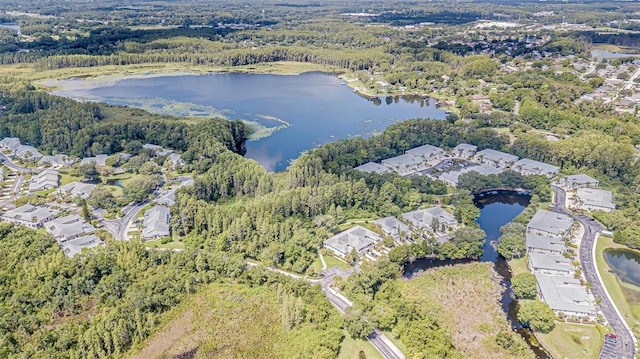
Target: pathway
(625, 346)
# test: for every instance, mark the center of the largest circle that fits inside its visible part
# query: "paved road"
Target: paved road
(16, 186)
(118, 227)
(7, 162)
(624, 348)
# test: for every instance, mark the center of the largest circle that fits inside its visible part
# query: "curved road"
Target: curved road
(624, 348)
(7, 162)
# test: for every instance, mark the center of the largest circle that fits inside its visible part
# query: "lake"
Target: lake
(293, 113)
(14, 27)
(625, 264)
(604, 54)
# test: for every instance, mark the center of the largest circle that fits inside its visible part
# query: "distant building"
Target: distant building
(156, 223)
(578, 181)
(57, 161)
(27, 153)
(69, 227)
(527, 167)
(10, 143)
(76, 245)
(29, 215)
(358, 238)
(158, 150)
(451, 178)
(433, 219)
(495, 158)
(372, 167)
(406, 164)
(545, 245)
(427, 152)
(391, 226)
(174, 161)
(77, 189)
(551, 264)
(551, 224)
(99, 160)
(566, 296)
(47, 179)
(590, 199)
(464, 150)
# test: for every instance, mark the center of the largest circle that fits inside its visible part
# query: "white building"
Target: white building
(76, 245)
(372, 167)
(551, 264)
(452, 178)
(47, 179)
(591, 199)
(495, 158)
(391, 226)
(550, 224)
(99, 160)
(527, 167)
(566, 296)
(464, 150)
(433, 220)
(545, 244)
(77, 189)
(358, 238)
(29, 215)
(578, 181)
(427, 153)
(406, 164)
(69, 227)
(156, 223)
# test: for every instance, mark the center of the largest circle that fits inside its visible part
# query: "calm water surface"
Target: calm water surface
(625, 264)
(318, 107)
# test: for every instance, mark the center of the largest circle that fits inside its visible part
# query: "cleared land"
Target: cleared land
(572, 341)
(465, 298)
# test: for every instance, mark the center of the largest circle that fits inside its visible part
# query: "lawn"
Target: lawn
(351, 349)
(335, 262)
(625, 296)
(519, 265)
(65, 178)
(170, 245)
(572, 341)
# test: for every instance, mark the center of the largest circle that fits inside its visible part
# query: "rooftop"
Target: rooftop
(79, 189)
(356, 237)
(99, 160)
(580, 179)
(596, 197)
(392, 226)
(156, 222)
(496, 156)
(372, 167)
(564, 293)
(405, 160)
(30, 212)
(426, 151)
(536, 166)
(554, 262)
(465, 147)
(545, 243)
(75, 246)
(68, 227)
(424, 218)
(551, 222)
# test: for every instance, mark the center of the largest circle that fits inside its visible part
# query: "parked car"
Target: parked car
(611, 338)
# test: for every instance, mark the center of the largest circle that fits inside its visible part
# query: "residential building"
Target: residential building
(578, 181)
(57, 161)
(76, 245)
(372, 167)
(451, 178)
(393, 227)
(551, 224)
(29, 215)
(77, 189)
(552, 264)
(464, 150)
(566, 296)
(68, 227)
(591, 199)
(169, 197)
(495, 158)
(433, 219)
(156, 223)
(406, 164)
(47, 179)
(10, 143)
(427, 153)
(527, 167)
(545, 245)
(99, 160)
(27, 153)
(358, 238)
(158, 150)
(174, 161)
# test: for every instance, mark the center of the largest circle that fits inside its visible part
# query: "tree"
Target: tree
(511, 246)
(400, 254)
(469, 241)
(101, 197)
(356, 324)
(524, 285)
(537, 315)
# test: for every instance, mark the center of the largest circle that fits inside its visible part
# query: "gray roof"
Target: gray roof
(551, 222)
(78, 189)
(27, 152)
(423, 218)
(528, 165)
(75, 246)
(580, 179)
(495, 156)
(553, 262)
(465, 147)
(392, 226)
(10, 142)
(68, 227)
(168, 198)
(372, 167)
(564, 294)
(356, 237)
(44, 180)
(545, 243)
(426, 151)
(159, 150)
(29, 212)
(453, 176)
(99, 160)
(406, 160)
(175, 159)
(596, 197)
(58, 160)
(156, 222)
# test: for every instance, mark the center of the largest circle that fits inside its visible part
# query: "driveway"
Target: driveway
(624, 348)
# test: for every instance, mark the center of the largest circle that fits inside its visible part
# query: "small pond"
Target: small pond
(625, 264)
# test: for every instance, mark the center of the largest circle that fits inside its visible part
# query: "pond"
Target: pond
(604, 54)
(292, 113)
(625, 264)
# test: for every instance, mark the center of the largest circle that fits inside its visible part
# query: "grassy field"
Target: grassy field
(351, 349)
(170, 245)
(572, 341)
(614, 48)
(625, 296)
(335, 262)
(465, 298)
(229, 321)
(519, 265)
